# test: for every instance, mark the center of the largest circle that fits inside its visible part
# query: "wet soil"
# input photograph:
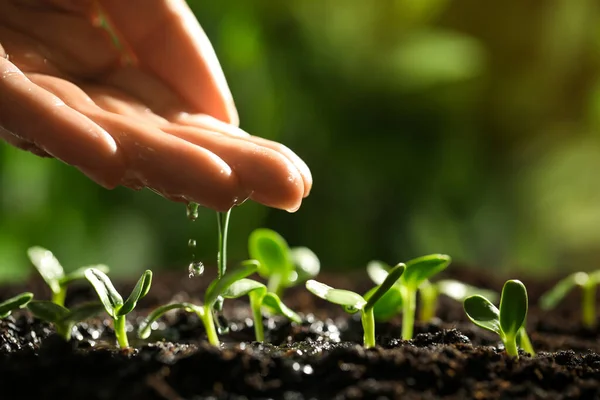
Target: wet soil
(321, 358)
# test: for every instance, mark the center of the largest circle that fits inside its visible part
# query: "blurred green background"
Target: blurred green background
(457, 126)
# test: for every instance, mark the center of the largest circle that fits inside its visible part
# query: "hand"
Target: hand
(142, 103)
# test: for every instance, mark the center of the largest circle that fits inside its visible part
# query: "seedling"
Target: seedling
(216, 290)
(403, 294)
(587, 283)
(508, 322)
(429, 293)
(282, 266)
(53, 273)
(259, 298)
(62, 318)
(353, 302)
(113, 302)
(14, 303)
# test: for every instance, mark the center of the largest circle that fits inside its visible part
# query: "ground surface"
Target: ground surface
(449, 358)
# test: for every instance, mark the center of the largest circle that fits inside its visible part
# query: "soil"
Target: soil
(322, 358)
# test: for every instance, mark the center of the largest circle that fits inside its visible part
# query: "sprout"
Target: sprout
(14, 303)
(404, 293)
(113, 302)
(53, 273)
(429, 293)
(353, 302)
(215, 291)
(62, 318)
(509, 321)
(587, 283)
(282, 266)
(259, 297)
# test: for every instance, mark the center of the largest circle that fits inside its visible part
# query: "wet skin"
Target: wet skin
(151, 109)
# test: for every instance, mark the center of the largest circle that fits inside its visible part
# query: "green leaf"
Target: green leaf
(422, 268)
(513, 307)
(243, 287)
(387, 284)
(483, 313)
(273, 302)
(48, 266)
(460, 291)
(48, 311)
(108, 295)
(306, 262)
(377, 271)
(351, 301)
(14, 303)
(83, 311)
(79, 273)
(551, 298)
(272, 252)
(145, 327)
(140, 290)
(219, 286)
(388, 306)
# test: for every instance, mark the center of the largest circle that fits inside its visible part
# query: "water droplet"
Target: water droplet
(192, 211)
(195, 269)
(192, 243)
(222, 324)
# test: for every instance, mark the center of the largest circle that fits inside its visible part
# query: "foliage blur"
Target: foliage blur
(456, 126)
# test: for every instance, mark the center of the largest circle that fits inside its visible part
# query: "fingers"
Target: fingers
(207, 122)
(175, 168)
(265, 175)
(168, 41)
(36, 116)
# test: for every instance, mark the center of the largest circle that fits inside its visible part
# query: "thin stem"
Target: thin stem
(64, 330)
(274, 284)
(588, 305)
(120, 325)
(408, 312)
(525, 343)
(59, 297)
(510, 345)
(209, 325)
(428, 303)
(255, 303)
(368, 323)
(223, 224)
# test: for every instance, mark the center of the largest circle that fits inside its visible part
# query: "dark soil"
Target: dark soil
(322, 358)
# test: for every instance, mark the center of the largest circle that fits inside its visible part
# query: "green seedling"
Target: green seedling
(14, 303)
(508, 321)
(281, 266)
(587, 283)
(403, 296)
(259, 298)
(353, 302)
(430, 291)
(53, 273)
(62, 318)
(215, 291)
(113, 302)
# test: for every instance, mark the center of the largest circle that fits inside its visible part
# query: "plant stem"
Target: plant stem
(206, 317)
(588, 305)
(368, 323)
(223, 225)
(274, 284)
(510, 345)
(408, 312)
(428, 302)
(121, 331)
(64, 330)
(525, 342)
(255, 303)
(59, 297)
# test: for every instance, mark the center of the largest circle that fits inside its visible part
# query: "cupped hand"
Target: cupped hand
(131, 93)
